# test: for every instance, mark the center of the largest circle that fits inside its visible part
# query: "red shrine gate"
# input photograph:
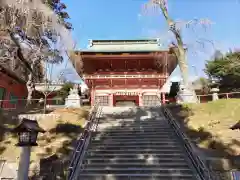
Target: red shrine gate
(126, 70)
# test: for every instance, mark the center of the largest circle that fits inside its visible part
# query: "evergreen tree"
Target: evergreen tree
(226, 70)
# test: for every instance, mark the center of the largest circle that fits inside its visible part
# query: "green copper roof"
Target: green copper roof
(123, 45)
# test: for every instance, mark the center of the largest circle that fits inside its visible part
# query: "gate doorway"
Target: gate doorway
(123, 100)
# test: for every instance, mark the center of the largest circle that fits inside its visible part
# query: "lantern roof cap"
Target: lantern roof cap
(28, 125)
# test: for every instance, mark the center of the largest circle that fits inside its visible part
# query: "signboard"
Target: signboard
(125, 93)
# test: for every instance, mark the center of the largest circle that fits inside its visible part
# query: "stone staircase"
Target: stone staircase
(135, 144)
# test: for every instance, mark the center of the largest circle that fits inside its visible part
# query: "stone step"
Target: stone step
(157, 136)
(122, 124)
(165, 176)
(132, 147)
(136, 160)
(147, 125)
(134, 151)
(127, 170)
(137, 123)
(145, 122)
(150, 127)
(138, 133)
(134, 143)
(131, 144)
(141, 134)
(130, 139)
(130, 164)
(132, 129)
(134, 133)
(132, 120)
(156, 155)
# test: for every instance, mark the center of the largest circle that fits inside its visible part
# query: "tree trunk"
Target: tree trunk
(179, 50)
(183, 67)
(30, 82)
(45, 104)
(186, 94)
(30, 86)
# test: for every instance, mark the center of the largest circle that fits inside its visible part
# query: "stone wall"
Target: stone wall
(38, 117)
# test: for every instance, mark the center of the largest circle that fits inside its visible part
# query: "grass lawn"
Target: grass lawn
(58, 140)
(208, 124)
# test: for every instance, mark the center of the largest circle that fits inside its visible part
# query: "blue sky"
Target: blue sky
(125, 19)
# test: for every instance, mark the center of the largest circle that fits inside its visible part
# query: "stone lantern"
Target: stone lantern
(214, 90)
(27, 132)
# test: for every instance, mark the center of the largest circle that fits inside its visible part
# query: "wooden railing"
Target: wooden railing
(120, 76)
(208, 97)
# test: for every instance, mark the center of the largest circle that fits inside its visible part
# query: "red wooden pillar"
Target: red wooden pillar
(111, 99)
(163, 98)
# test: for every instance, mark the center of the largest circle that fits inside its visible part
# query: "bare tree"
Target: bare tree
(49, 82)
(34, 34)
(178, 48)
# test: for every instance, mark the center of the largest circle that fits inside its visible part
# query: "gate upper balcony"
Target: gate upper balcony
(105, 57)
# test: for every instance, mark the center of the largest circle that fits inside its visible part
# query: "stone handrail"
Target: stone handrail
(201, 168)
(83, 142)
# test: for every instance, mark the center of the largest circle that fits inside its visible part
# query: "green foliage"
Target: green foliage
(186, 106)
(202, 84)
(226, 70)
(205, 83)
(64, 91)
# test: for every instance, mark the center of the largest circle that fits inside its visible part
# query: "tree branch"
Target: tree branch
(19, 51)
(178, 49)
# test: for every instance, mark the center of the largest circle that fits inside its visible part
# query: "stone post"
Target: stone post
(215, 94)
(24, 163)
